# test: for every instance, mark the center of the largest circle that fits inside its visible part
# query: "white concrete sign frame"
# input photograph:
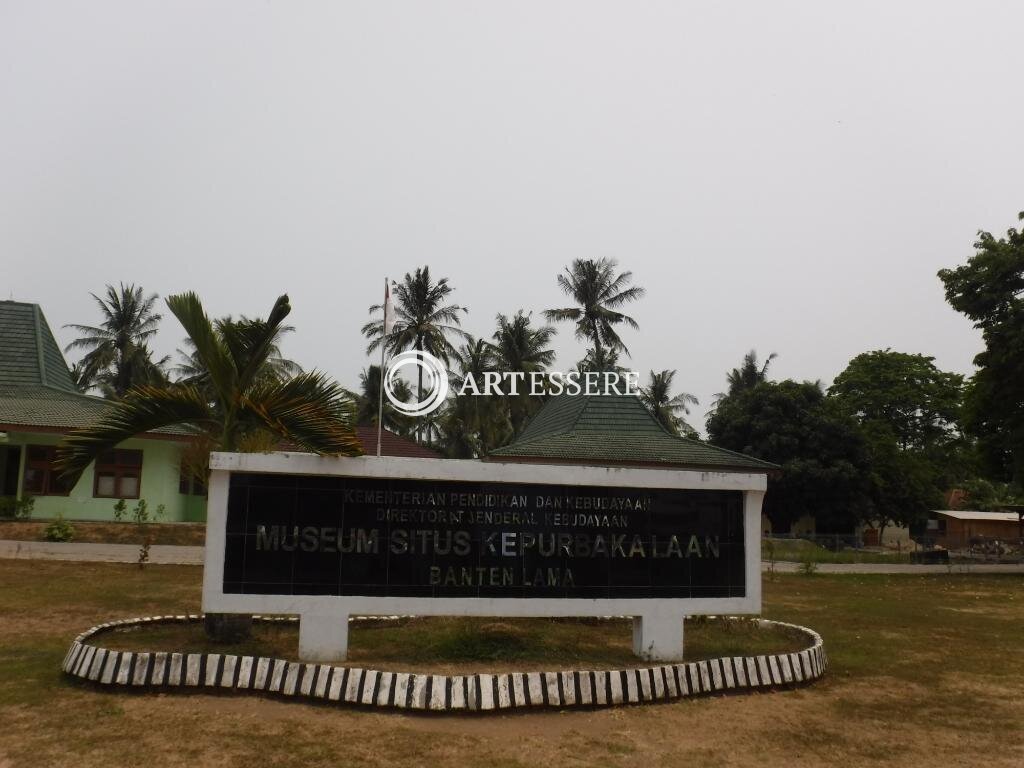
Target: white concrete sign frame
(323, 619)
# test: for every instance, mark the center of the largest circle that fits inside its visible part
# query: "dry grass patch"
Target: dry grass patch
(909, 685)
(445, 645)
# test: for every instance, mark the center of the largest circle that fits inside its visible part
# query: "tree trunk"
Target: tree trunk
(228, 627)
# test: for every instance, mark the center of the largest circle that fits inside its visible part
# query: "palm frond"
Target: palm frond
(142, 409)
(308, 410)
(260, 347)
(210, 348)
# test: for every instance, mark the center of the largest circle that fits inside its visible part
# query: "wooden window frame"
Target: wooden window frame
(113, 462)
(189, 485)
(51, 485)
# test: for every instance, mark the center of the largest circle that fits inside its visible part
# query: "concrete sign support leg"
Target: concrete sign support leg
(323, 638)
(658, 638)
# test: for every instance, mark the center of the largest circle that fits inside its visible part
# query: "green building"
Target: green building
(39, 404)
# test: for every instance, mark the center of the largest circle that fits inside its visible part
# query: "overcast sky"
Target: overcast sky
(781, 176)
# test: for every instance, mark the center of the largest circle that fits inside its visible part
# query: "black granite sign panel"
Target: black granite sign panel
(303, 535)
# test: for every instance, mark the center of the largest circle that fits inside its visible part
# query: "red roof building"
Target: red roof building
(392, 444)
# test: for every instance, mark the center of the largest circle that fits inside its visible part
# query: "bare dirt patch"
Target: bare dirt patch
(183, 534)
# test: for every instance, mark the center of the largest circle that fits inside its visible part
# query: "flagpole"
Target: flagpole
(380, 387)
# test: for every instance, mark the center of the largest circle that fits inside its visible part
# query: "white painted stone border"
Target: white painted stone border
(442, 693)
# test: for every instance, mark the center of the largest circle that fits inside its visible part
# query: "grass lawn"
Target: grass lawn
(925, 670)
(451, 645)
(799, 550)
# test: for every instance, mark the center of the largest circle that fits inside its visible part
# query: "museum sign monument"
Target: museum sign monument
(326, 538)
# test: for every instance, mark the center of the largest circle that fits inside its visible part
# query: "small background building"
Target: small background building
(955, 529)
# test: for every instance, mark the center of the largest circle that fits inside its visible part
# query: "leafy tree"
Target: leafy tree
(823, 455)
(599, 294)
(987, 496)
(989, 289)
(908, 410)
(520, 347)
(918, 403)
(665, 406)
(904, 482)
(117, 353)
(424, 320)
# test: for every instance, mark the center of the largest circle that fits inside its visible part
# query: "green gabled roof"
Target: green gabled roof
(615, 429)
(29, 355)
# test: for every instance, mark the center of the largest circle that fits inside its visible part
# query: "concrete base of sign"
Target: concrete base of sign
(323, 638)
(658, 638)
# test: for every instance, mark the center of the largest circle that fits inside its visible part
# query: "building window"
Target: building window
(41, 479)
(190, 485)
(118, 474)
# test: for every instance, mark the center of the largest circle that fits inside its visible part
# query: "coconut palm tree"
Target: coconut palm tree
(600, 360)
(665, 406)
(520, 347)
(248, 409)
(599, 294)
(472, 425)
(367, 401)
(747, 376)
(192, 370)
(117, 353)
(424, 320)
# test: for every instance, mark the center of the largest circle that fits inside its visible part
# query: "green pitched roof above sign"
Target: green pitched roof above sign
(615, 429)
(29, 355)
(36, 388)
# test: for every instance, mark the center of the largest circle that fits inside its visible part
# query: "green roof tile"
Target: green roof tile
(36, 388)
(615, 429)
(48, 407)
(29, 355)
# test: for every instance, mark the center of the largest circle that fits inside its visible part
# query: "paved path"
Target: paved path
(163, 554)
(896, 568)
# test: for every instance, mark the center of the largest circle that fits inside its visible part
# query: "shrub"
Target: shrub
(59, 529)
(18, 509)
(141, 517)
(808, 565)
